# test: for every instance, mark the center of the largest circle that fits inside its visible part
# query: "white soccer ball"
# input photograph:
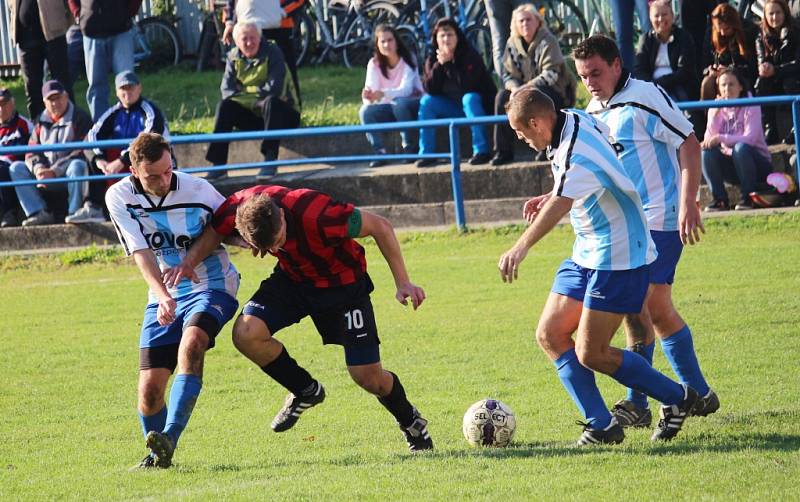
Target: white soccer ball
(489, 422)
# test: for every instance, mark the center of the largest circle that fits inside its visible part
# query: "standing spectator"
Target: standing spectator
(458, 84)
(622, 14)
(39, 28)
(131, 115)
(726, 45)
(391, 90)
(666, 54)
(107, 28)
(499, 13)
(15, 130)
(532, 58)
(734, 148)
(61, 122)
(255, 96)
(695, 20)
(263, 13)
(777, 55)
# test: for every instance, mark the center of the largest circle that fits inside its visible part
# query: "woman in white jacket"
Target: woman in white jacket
(392, 89)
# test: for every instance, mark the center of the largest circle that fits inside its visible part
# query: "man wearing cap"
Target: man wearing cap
(15, 130)
(60, 122)
(39, 28)
(131, 115)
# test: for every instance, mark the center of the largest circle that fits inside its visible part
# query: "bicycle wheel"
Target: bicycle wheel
(302, 36)
(565, 21)
(162, 47)
(357, 40)
(480, 39)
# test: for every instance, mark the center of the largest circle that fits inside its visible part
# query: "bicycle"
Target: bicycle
(156, 42)
(211, 50)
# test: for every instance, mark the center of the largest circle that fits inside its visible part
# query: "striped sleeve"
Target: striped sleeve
(128, 229)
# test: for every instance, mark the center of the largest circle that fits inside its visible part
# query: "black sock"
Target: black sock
(288, 373)
(397, 403)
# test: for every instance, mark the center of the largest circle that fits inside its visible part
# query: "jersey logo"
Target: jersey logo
(158, 240)
(597, 294)
(618, 147)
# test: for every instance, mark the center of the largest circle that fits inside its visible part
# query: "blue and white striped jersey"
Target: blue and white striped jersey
(650, 128)
(607, 217)
(169, 226)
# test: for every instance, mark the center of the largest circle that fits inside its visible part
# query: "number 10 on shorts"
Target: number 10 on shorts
(355, 319)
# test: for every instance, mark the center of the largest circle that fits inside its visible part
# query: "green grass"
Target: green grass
(70, 357)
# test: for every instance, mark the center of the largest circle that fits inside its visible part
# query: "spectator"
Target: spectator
(129, 116)
(499, 13)
(263, 12)
(457, 85)
(39, 28)
(255, 96)
(61, 122)
(392, 88)
(533, 59)
(15, 130)
(695, 20)
(726, 45)
(622, 14)
(734, 148)
(777, 50)
(107, 28)
(666, 54)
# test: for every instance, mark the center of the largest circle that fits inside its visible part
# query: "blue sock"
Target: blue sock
(153, 422)
(679, 350)
(639, 399)
(637, 374)
(182, 398)
(579, 382)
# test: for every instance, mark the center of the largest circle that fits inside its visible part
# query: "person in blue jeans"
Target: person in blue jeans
(60, 122)
(457, 85)
(734, 149)
(391, 89)
(622, 14)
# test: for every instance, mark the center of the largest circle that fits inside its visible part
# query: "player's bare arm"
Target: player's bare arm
(208, 242)
(382, 231)
(551, 213)
(690, 222)
(146, 261)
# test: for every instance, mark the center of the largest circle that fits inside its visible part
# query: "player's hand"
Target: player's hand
(532, 207)
(690, 224)
(166, 311)
(410, 290)
(173, 275)
(509, 263)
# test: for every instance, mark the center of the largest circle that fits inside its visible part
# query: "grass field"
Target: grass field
(69, 360)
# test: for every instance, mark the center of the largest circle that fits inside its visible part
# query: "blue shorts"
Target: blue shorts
(617, 291)
(209, 310)
(669, 247)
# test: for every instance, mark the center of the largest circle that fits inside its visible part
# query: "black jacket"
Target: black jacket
(783, 51)
(104, 18)
(681, 52)
(745, 65)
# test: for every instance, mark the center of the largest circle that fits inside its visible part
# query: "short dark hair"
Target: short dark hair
(530, 102)
(148, 147)
(258, 220)
(597, 45)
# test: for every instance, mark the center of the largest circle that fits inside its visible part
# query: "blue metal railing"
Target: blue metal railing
(453, 125)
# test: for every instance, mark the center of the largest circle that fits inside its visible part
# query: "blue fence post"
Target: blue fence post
(796, 125)
(455, 174)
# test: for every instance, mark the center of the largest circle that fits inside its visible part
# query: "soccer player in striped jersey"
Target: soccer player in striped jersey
(660, 153)
(607, 275)
(157, 214)
(321, 273)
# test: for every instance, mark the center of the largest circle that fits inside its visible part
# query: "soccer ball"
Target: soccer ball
(489, 422)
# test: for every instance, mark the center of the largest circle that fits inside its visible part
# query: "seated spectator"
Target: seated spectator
(734, 149)
(726, 45)
(666, 54)
(60, 122)
(15, 130)
(777, 53)
(457, 85)
(392, 89)
(255, 96)
(532, 58)
(129, 116)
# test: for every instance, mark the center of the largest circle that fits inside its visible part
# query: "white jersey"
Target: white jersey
(648, 126)
(169, 226)
(607, 217)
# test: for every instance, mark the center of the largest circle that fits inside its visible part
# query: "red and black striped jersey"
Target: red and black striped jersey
(318, 249)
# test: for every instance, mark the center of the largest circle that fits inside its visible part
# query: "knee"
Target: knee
(426, 107)
(586, 356)
(363, 113)
(150, 395)
(76, 168)
(548, 339)
(247, 331)
(369, 381)
(472, 101)
(740, 149)
(18, 170)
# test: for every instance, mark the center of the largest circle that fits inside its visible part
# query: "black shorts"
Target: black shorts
(342, 315)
